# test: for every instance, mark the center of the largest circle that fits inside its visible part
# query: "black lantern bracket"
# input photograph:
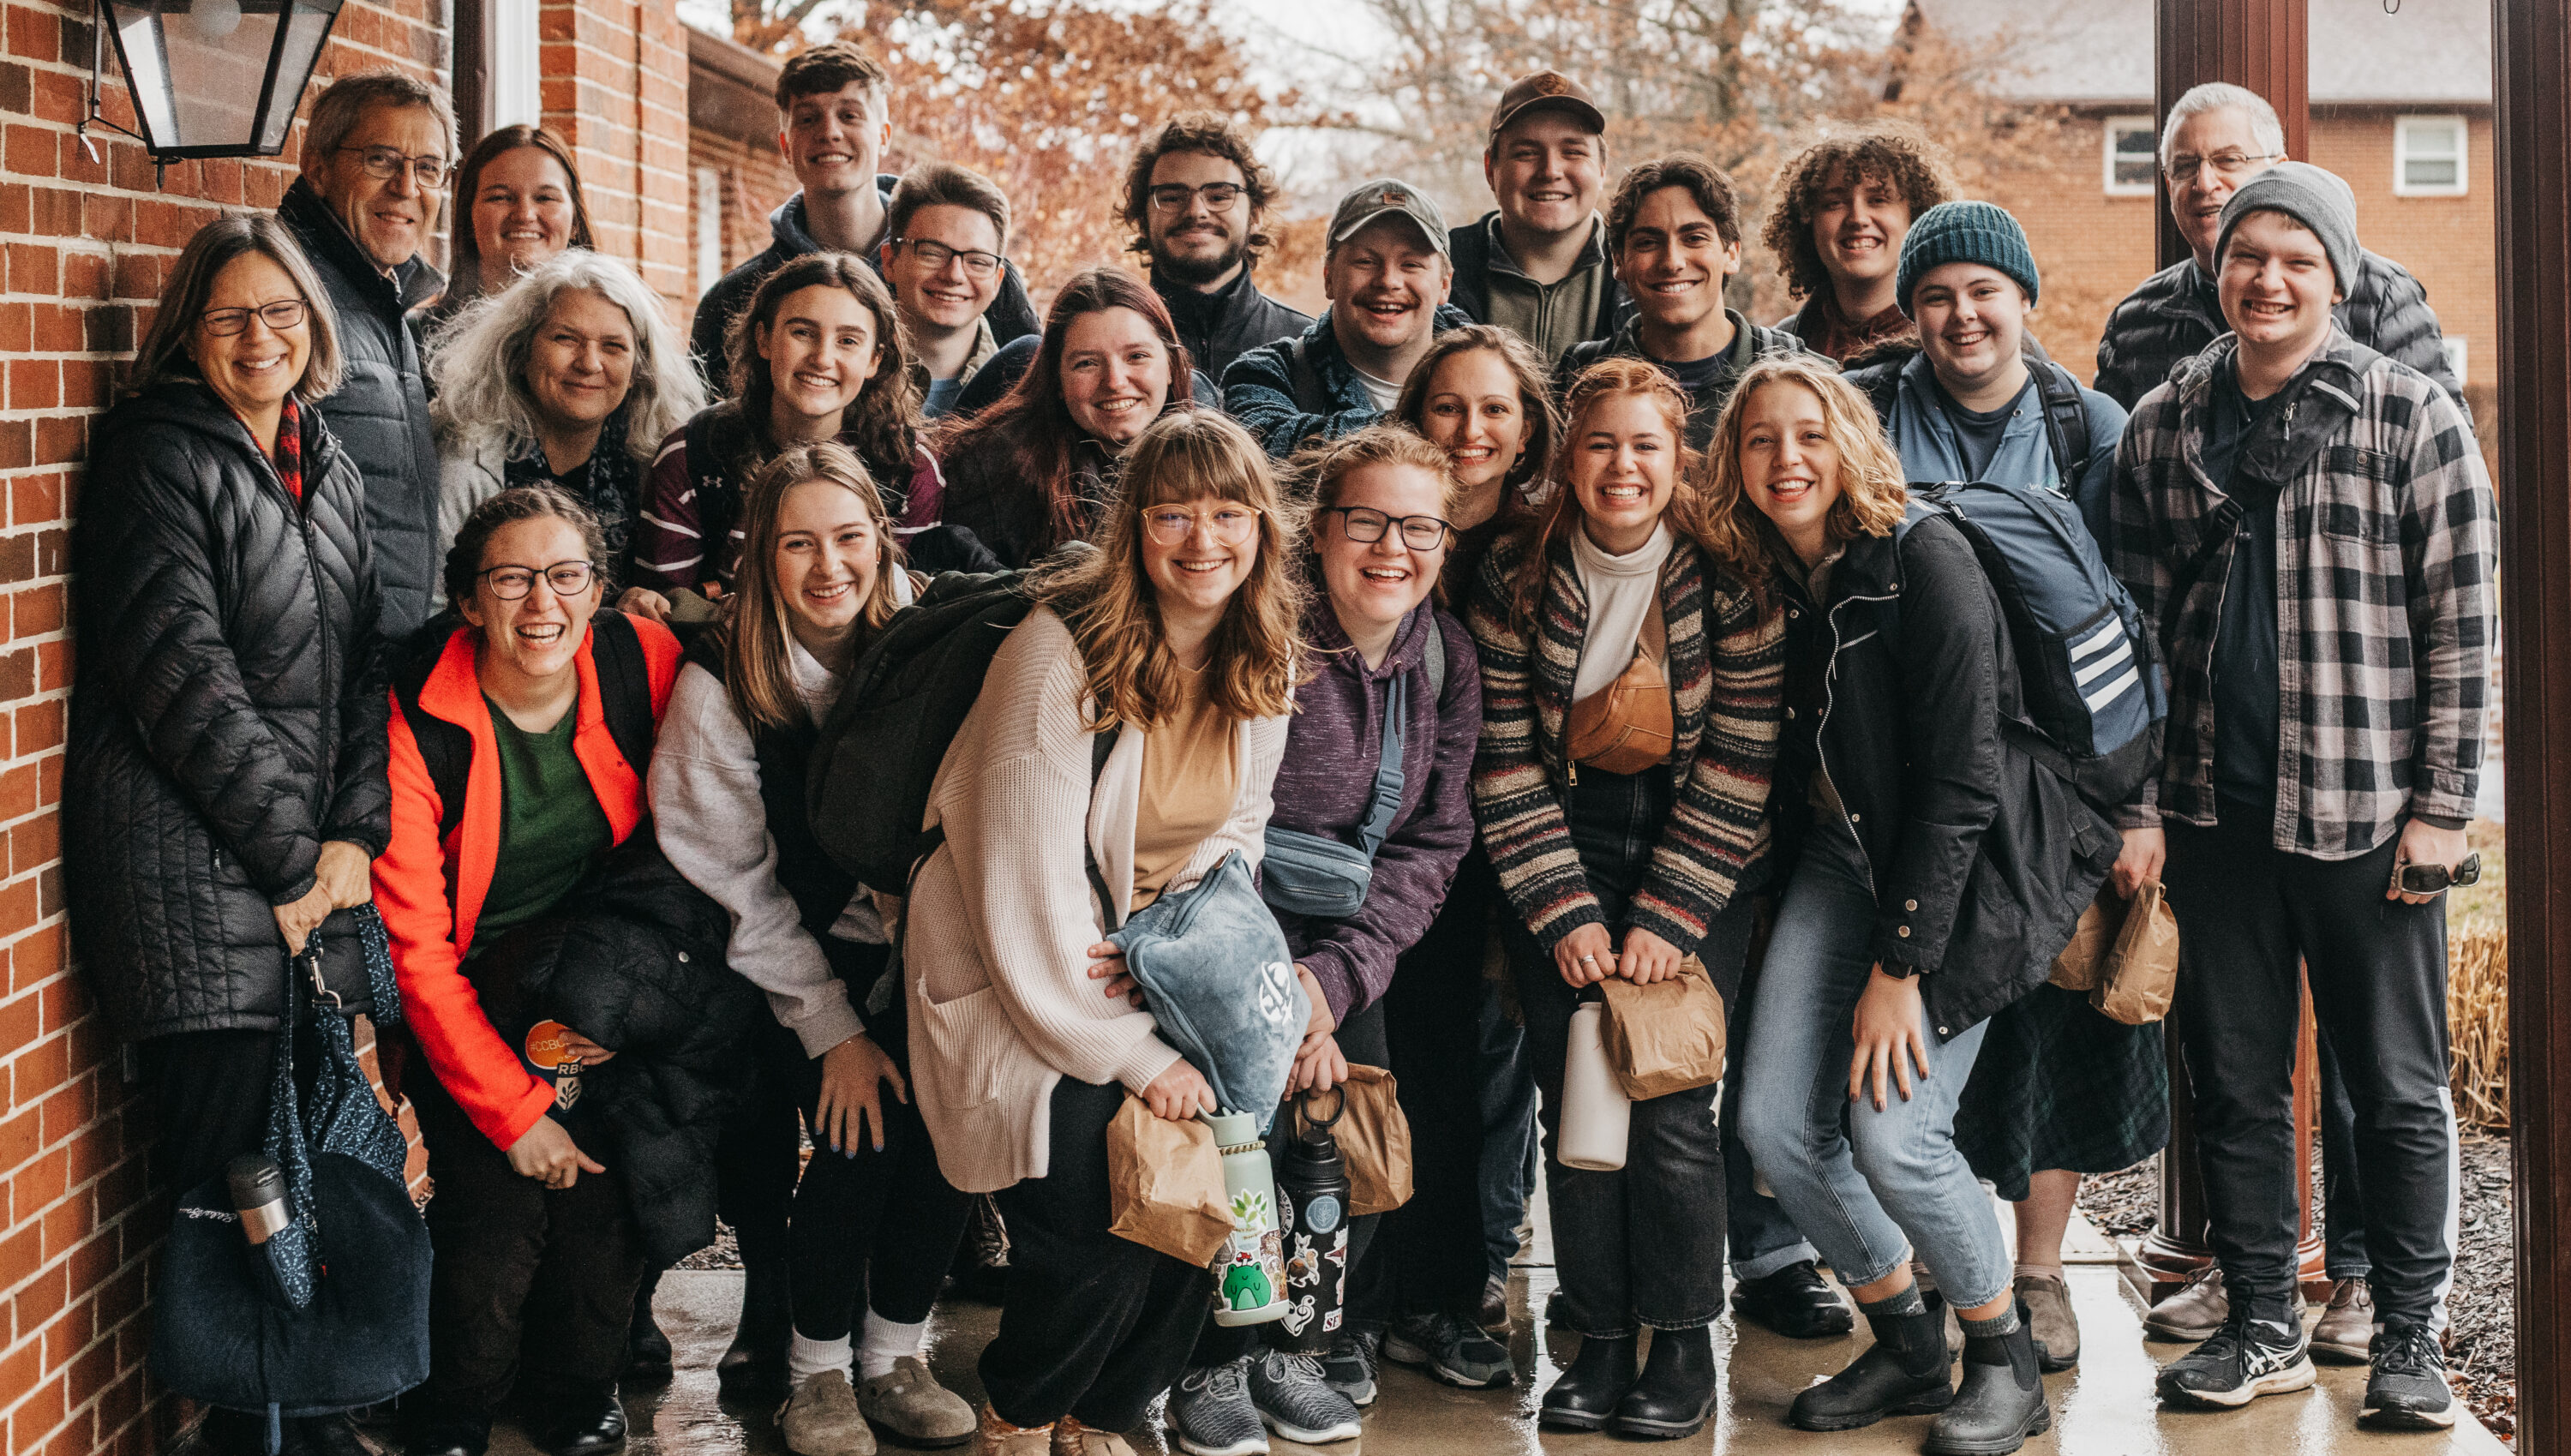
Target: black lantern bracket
(208, 78)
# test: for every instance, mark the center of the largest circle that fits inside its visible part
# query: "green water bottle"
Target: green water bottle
(1249, 1270)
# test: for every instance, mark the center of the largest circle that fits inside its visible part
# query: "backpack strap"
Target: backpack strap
(624, 685)
(718, 499)
(1435, 660)
(1388, 767)
(2066, 423)
(1102, 746)
(445, 749)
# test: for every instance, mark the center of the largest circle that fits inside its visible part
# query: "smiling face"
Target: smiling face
(537, 637)
(390, 216)
(829, 552)
(1385, 283)
(1474, 414)
(948, 296)
(1115, 374)
(581, 362)
(522, 213)
(1200, 243)
(1196, 575)
(1972, 322)
(253, 370)
(1376, 583)
(1857, 224)
(2276, 285)
(2196, 204)
(1624, 469)
(821, 351)
(1546, 171)
(833, 139)
(1674, 260)
(1789, 470)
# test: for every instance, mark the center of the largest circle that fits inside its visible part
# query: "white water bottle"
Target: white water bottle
(1596, 1114)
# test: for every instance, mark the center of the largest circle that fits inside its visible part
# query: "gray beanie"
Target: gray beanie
(2316, 198)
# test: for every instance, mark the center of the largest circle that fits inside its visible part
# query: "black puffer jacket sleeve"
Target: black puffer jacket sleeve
(361, 805)
(2390, 313)
(1950, 676)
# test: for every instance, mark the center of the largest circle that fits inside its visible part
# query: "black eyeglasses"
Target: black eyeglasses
(1173, 197)
(280, 316)
(936, 255)
(1365, 525)
(388, 163)
(566, 578)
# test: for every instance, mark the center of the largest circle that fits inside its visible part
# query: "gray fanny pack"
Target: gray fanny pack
(1325, 877)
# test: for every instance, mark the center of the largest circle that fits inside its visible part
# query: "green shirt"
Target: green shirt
(551, 827)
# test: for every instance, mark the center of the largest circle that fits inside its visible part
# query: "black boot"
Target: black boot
(1796, 1301)
(235, 1433)
(647, 1349)
(1588, 1392)
(591, 1425)
(1676, 1393)
(1905, 1372)
(2002, 1402)
(754, 1368)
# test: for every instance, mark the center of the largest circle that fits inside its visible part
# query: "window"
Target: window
(2456, 352)
(710, 258)
(2132, 156)
(2428, 157)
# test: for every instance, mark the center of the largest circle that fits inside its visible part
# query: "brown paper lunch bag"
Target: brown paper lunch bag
(1665, 1036)
(1373, 1137)
(2076, 967)
(1165, 1183)
(2140, 975)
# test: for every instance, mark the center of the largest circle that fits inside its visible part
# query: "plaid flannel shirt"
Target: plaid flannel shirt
(2385, 551)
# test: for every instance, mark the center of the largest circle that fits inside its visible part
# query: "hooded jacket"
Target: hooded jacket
(380, 413)
(2177, 312)
(1221, 326)
(1480, 258)
(1010, 316)
(1301, 389)
(223, 722)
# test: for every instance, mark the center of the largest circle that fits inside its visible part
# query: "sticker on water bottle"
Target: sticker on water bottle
(1321, 1215)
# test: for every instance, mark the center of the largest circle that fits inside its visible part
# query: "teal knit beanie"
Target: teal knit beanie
(1965, 232)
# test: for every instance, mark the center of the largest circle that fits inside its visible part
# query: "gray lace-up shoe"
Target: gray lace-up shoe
(1451, 1348)
(1210, 1413)
(1297, 1403)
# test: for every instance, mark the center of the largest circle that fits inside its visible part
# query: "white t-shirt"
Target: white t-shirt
(1620, 591)
(1387, 393)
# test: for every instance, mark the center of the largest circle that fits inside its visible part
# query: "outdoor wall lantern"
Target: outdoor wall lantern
(210, 78)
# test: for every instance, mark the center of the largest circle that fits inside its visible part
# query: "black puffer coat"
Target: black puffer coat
(224, 724)
(1981, 858)
(2174, 314)
(636, 962)
(380, 411)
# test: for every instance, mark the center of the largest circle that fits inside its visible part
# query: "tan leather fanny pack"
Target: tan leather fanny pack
(1629, 725)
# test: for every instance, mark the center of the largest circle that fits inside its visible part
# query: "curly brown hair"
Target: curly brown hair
(1214, 134)
(1895, 152)
(1707, 183)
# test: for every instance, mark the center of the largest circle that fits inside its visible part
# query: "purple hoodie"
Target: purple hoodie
(1328, 778)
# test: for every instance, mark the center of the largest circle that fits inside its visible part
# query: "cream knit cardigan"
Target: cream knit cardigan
(1001, 917)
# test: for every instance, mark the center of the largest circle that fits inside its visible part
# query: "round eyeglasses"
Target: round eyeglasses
(1228, 525)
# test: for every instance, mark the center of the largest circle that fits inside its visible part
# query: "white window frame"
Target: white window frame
(2107, 143)
(513, 94)
(708, 187)
(2402, 129)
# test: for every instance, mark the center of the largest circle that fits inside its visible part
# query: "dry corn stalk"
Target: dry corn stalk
(2478, 1021)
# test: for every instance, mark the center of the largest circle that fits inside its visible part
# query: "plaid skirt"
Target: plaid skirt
(2060, 1086)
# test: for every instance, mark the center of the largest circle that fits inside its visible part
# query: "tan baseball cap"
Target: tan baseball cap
(1546, 89)
(1372, 200)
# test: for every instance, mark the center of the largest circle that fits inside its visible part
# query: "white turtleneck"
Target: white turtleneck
(1620, 591)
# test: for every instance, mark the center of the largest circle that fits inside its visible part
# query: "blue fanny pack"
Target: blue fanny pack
(1219, 978)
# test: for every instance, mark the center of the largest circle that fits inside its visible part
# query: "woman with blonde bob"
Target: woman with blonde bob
(1910, 830)
(1178, 637)
(1629, 695)
(821, 575)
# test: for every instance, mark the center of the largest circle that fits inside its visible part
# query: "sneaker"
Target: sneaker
(2406, 1389)
(1210, 1413)
(1452, 1349)
(908, 1401)
(1351, 1365)
(2245, 1358)
(1297, 1403)
(2194, 1314)
(2345, 1335)
(822, 1419)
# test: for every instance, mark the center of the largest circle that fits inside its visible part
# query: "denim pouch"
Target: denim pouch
(1219, 978)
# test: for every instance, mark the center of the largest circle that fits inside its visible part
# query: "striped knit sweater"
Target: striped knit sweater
(1727, 679)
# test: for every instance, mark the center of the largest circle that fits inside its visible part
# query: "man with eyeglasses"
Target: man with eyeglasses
(1197, 199)
(377, 155)
(1537, 263)
(833, 114)
(944, 230)
(2218, 136)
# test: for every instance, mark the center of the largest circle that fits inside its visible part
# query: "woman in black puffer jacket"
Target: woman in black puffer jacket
(226, 774)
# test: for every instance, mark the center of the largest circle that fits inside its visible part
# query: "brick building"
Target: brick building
(2401, 107)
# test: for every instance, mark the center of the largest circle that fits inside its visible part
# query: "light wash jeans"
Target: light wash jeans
(1866, 1187)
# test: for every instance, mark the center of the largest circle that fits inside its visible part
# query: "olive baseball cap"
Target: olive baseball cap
(1369, 201)
(1546, 89)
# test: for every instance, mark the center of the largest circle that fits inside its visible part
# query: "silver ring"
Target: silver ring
(1589, 960)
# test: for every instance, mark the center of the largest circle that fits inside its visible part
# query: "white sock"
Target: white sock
(807, 1357)
(885, 1343)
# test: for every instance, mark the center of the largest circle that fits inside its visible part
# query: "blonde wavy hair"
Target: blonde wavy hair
(1108, 601)
(759, 635)
(1871, 493)
(1615, 377)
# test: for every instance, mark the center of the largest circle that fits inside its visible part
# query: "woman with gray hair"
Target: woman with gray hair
(224, 787)
(569, 377)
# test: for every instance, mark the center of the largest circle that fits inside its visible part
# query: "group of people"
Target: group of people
(491, 604)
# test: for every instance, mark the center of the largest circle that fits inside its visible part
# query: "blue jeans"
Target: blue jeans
(1866, 1187)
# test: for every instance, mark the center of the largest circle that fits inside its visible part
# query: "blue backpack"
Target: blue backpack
(2089, 667)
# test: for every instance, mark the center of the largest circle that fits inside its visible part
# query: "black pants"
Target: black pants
(2246, 913)
(211, 1090)
(1434, 1044)
(1370, 1283)
(1094, 1326)
(514, 1258)
(1642, 1245)
(759, 1151)
(2343, 1196)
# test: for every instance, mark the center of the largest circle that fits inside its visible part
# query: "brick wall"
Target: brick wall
(754, 179)
(616, 89)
